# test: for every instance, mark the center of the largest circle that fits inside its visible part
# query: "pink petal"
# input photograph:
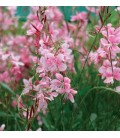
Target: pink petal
(25, 82)
(56, 82)
(59, 76)
(67, 80)
(54, 94)
(70, 96)
(62, 67)
(67, 87)
(73, 91)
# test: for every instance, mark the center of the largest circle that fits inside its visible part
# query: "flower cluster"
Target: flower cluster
(107, 54)
(53, 47)
(15, 55)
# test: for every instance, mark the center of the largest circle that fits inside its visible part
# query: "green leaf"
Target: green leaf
(84, 90)
(5, 86)
(45, 122)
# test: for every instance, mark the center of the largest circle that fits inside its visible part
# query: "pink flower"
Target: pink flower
(5, 56)
(49, 62)
(109, 73)
(45, 41)
(94, 57)
(55, 84)
(59, 76)
(28, 85)
(70, 95)
(60, 62)
(51, 95)
(42, 102)
(104, 42)
(53, 63)
(112, 34)
(53, 31)
(36, 27)
(109, 79)
(62, 86)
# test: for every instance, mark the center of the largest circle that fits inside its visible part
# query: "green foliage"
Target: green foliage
(22, 12)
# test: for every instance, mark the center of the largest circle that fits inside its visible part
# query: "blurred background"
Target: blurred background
(68, 11)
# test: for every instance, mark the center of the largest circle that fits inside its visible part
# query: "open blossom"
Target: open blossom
(62, 85)
(53, 63)
(28, 85)
(108, 72)
(112, 34)
(42, 102)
